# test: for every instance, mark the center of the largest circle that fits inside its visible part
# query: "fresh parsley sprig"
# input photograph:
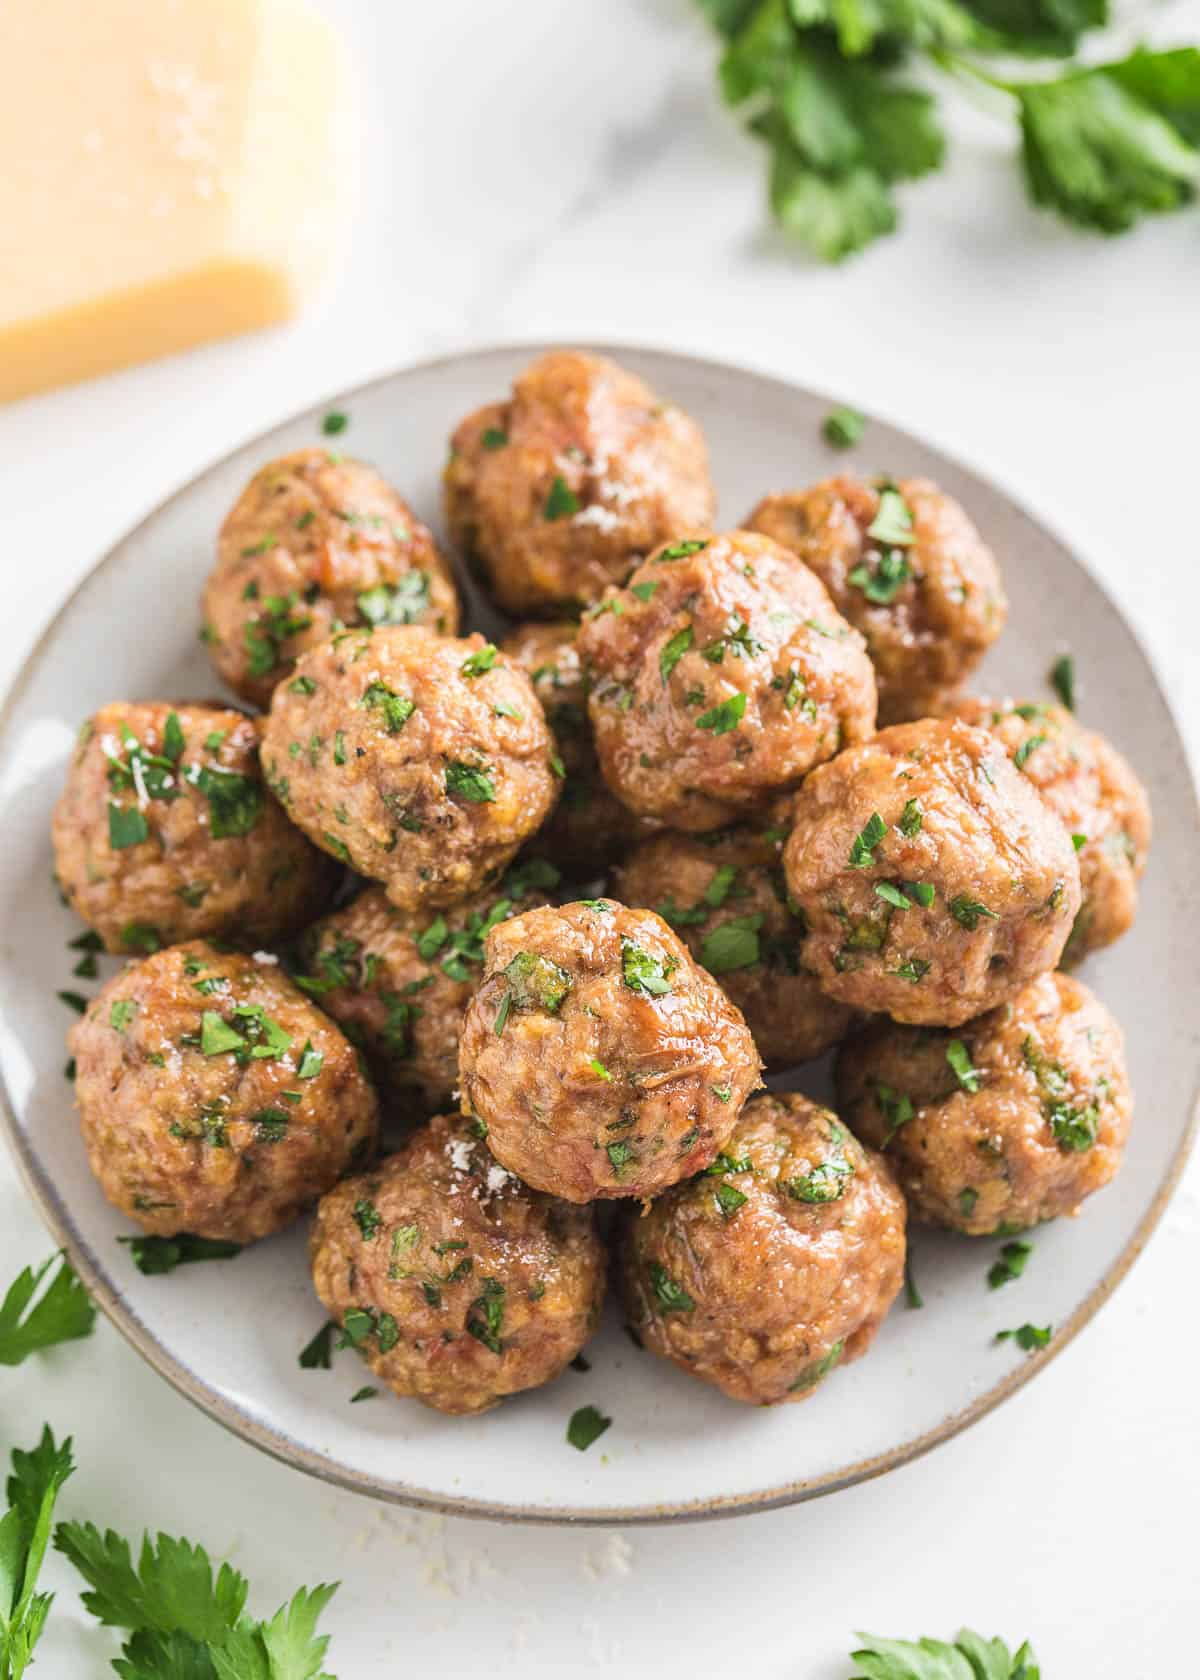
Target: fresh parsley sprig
(970, 1657)
(63, 1312)
(821, 84)
(24, 1535)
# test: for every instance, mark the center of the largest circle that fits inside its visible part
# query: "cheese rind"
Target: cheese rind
(176, 173)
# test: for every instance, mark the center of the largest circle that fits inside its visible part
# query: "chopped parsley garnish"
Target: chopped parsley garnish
(480, 661)
(829, 1181)
(681, 550)
(736, 639)
(959, 1058)
(862, 852)
(842, 428)
(726, 716)
(1062, 680)
(368, 1218)
(811, 1375)
(969, 912)
(1027, 1336)
(263, 637)
(911, 819)
(1074, 1129)
(311, 1062)
(532, 873)
(644, 591)
(485, 1317)
(471, 782)
(732, 945)
(317, 1355)
(882, 582)
(619, 1155)
(493, 438)
(126, 827)
(914, 970)
(670, 1296)
(897, 1108)
(599, 1069)
(256, 1037)
(502, 1014)
(302, 685)
(967, 1198)
(1029, 746)
(140, 936)
(891, 894)
(1010, 1265)
(562, 501)
(893, 522)
(643, 972)
(729, 1198)
(121, 1013)
(535, 982)
(674, 650)
(402, 602)
(586, 1425)
(334, 422)
(911, 1293)
(156, 1256)
(395, 709)
(73, 1001)
(367, 1392)
(234, 802)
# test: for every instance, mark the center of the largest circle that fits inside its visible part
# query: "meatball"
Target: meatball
(1015, 1120)
(590, 827)
(725, 896)
(934, 880)
(398, 981)
(456, 1283)
(313, 543)
(214, 1098)
(1093, 790)
(907, 567)
(422, 762)
(562, 490)
(778, 1263)
(165, 831)
(603, 1061)
(718, 678)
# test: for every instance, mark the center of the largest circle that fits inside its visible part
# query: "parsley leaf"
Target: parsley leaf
(126, 827)
(862, 852)
(395, 709)
(725, 716)
(969, 1658)
(1062, 680)
(63, 1312)
(475, 664)
(471, 782)
(32, 1490)
(830, 1179)
(732, 945)
(669, 1295)
(586, 1425)
(1027, 1336)
(959, 1058)
(673, 651)
(1010, 1265)
(561, 502)
(402, 602)
(643, 972)
(842, 428)
(156, 1256)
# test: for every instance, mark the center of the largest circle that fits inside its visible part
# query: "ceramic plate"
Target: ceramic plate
(228, 1335)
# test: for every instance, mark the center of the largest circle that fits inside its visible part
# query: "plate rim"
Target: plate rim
(284, 1448)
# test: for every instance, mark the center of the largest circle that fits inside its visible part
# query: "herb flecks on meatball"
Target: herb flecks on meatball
(604, 1062)
(316, 542)
(776, 1265)
(718, 678)
(398, 982)
(560, 491)
(214, 1098)
(1094, 792)
(934, 880)
(455, 1282)
(421, 761)
(165, 831)
(1014, 1118)
(725, 896)
(905, 565)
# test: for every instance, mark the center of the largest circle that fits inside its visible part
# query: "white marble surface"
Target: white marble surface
(545, 171)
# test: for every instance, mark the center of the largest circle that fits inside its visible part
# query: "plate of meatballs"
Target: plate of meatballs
(591, 907)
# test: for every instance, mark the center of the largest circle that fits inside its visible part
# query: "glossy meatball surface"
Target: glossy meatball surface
(398, 981)
(165, 831)
(1015, 1118)
(560, 491)
(457, 1284)
(718, 678)
(602, 1059)
(421, 761)
(934, 879)
(316, 541)
(725, 896)
(589, 826)
(778, 1264)
(1093, 790)
(214, 1098)
(905, 565)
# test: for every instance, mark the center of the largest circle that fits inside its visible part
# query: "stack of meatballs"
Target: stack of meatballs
(362, 978)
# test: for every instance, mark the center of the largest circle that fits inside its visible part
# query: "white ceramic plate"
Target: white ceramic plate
(227, 1335)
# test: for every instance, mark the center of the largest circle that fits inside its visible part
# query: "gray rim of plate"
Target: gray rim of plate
(288, 1451)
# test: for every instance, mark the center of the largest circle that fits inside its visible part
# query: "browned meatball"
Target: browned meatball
(934, 880)
(590, 827)
(456, 1283)
(602, 1059)
(777, 1264)
(560, 491)
(213, 1097)
(314, 542)
(398, 981)
(1093, 790)
(907, 567)
(1016, 1119)
(165, 831)
(718, 678)
(422, 762)
(725, 895)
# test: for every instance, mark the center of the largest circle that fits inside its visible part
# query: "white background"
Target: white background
(553, 171)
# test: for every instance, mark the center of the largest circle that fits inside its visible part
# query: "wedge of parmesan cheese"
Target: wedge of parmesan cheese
(174, 171)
